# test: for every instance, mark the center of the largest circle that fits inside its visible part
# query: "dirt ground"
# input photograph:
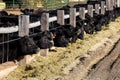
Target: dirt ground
(59, 64)
(108, 68)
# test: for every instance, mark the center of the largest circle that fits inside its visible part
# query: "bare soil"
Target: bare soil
(108, 68)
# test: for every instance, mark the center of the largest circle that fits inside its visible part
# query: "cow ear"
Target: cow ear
(53, 35)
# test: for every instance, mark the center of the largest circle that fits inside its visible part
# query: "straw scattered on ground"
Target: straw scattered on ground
(59, 63)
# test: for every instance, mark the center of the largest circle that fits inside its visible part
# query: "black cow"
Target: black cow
(98, 21)
(80, 27)
(3, 13)
(89, 26)
(18, 48)
(44, 40)
(6, 21)
(116, 12)
(27, 45)
(67, 33)
(35, 15)
(60, 39)
(27, 11)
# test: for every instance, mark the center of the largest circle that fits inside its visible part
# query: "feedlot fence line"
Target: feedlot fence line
(24, 26)
(108, 6)
(52, 19)
(35, 24)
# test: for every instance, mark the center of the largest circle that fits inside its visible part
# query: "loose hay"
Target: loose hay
(61, 62)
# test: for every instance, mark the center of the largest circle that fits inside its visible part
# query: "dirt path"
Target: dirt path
(108, 68)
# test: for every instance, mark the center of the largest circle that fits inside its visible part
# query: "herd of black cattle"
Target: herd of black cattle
(58, 35)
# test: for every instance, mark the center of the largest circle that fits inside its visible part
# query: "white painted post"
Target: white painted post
(23, 25)
(108, 5)
(60, 17)
(118, 3)
(97, 8)
(90, 10)
(44, 26)
(73, 17)
(24, 31)
(82, 13)
(102, 7)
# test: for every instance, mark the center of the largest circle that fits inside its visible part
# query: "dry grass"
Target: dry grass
(59, 63)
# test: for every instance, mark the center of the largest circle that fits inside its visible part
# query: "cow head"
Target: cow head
(60, 39)
(44, 40)
(27, 46)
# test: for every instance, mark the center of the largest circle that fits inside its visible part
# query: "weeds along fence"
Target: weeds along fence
(25, 26)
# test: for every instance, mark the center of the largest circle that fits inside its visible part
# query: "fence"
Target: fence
(23, 28)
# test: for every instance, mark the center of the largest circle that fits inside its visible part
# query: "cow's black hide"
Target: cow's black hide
(98, 21)
(18, 48)
(89, 26)
(79, 27)
(27, 11)
(44, 40)
(60, 39)
(116, 12)
(27, 46)
(7, 21)
(67, 33)
(3, 13)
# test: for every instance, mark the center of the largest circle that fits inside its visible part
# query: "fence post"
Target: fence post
(97, 8)
(23, 25)
(102, 7)
(24, 31)
(60, 17)
(112, 4)
(82, 13)
(90, 10)
(108, 5)
(118, 3)
(44, 21)
(73, 17)
(44, 26)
